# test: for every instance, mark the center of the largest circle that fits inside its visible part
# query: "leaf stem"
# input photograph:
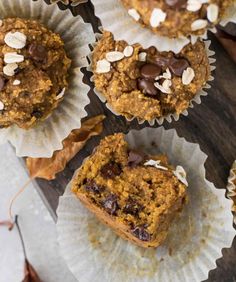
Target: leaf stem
(21, 237)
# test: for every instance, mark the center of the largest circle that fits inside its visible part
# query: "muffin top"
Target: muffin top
(33, 72)
(176, 18)
(141, 192)
(146, 83)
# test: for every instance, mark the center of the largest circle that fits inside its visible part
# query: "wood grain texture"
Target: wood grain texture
(212, 124)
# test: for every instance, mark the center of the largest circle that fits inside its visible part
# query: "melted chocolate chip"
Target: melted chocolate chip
(147, 87)
(135, 158)
(92, 186)
(37, 52)
(141, 233)
(132, 207)
(161, 61)
(2, 82)
(150, 71)
(111, 170)
(177, 66)
(37, 114)
(176, 4)
(110, 204)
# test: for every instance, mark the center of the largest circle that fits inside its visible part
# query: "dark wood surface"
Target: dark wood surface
(212, 124)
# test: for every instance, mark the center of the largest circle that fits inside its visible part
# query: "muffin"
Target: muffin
(136, 194)
(33, 72)
(179, 17)
(146, 83)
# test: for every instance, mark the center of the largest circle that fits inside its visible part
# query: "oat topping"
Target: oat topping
(10, 69)
(1, 106)
(180, 173)
(157, 17)
(142, 56)
(114, 56)
(164, 87)
(10, 58)
(128, 51)
(198, 24)
(212, 12)
(16, 82)
(134, 14)
(156, 164)
(16, 40)
(61, 94)
(188, 76)
(103, 66)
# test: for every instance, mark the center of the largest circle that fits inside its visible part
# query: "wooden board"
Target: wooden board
(211, 124)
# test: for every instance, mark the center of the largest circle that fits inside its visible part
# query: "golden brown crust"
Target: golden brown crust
(138, 202)
(41, 79)
(119, 85)
(178, 21)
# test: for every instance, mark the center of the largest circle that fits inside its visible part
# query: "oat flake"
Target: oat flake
(114, 56)
(16, 40)
(134, 14)
(1, 106)
(128, 51)
(212, 12)
(103, 66)
(157, 17)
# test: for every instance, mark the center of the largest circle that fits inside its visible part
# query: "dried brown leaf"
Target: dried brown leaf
(47, 168)
(30, 273)
(9, 224)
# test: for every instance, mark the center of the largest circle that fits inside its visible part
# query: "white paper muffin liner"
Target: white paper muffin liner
(94, 253)
(46, 137)
(114, 18)
(231, 187)
(170, 117)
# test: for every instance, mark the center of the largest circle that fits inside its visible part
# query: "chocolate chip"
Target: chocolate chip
(37, 52)
(150, 71)
(110, 170)
(161, 61)
(37, 114)
(110, 204)
(176, 4)
(147, 87)
(132, 207)
(135, 158)
(92, 186)
(141, 233)
(2, 82)
(177, 66)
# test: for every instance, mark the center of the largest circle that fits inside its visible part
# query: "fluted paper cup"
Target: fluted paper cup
(47, 136)
(170, 117)
(94, 253)
(114, 18)
(231, 188)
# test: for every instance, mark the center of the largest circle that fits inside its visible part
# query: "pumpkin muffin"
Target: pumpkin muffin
(179, 17)
(146, 83)
(33, 72)
(135, 194)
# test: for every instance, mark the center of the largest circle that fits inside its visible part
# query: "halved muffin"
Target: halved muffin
(136, 194)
